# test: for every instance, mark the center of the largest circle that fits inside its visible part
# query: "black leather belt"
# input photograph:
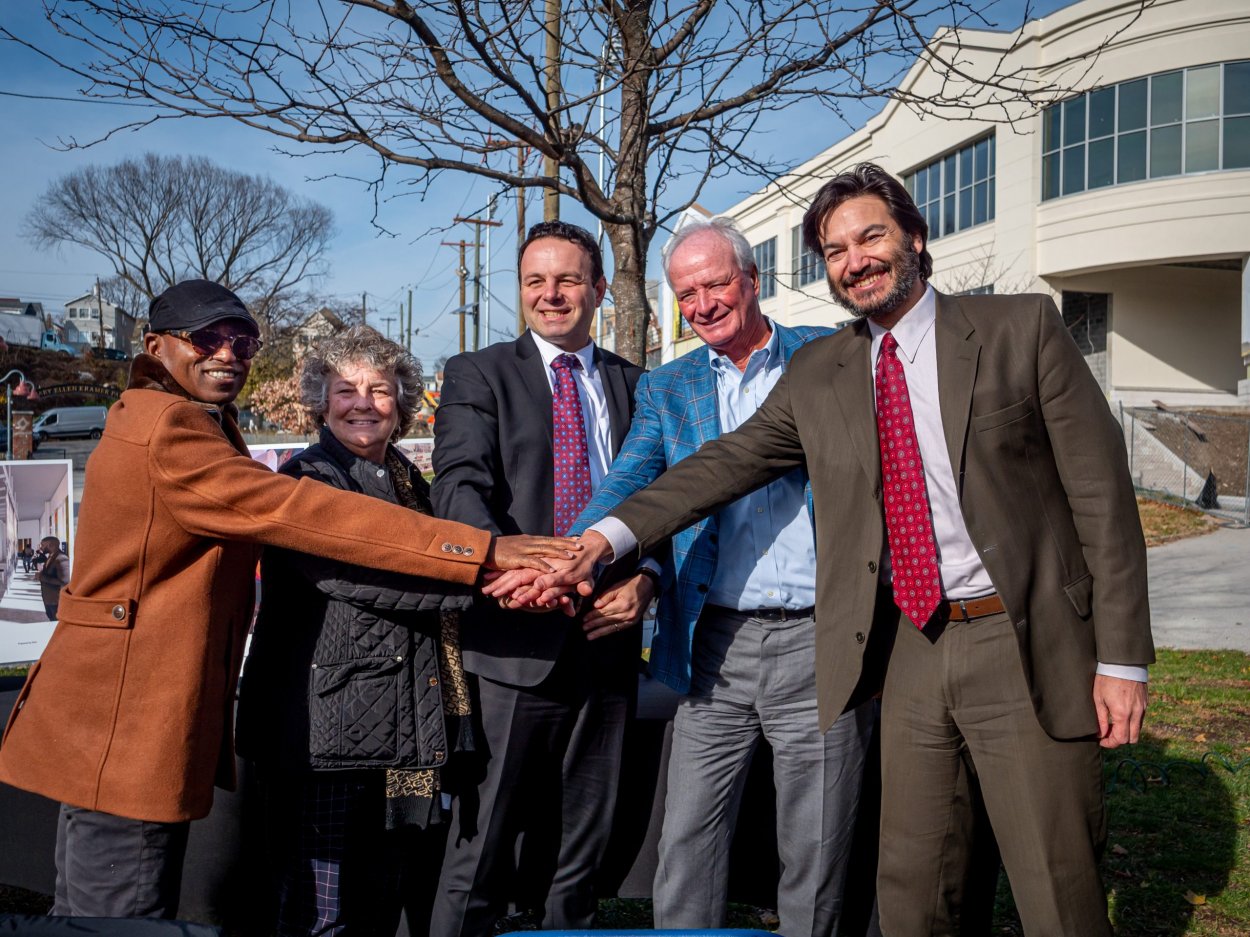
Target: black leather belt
(767, 614)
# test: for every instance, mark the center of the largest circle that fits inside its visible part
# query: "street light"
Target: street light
(24, 388)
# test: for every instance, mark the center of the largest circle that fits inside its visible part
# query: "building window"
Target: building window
(1185, 121)
(956, 191)
(986, 290)
(766, 263)
(808, 268)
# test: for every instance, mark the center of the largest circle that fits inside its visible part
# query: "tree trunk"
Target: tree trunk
(629, 292)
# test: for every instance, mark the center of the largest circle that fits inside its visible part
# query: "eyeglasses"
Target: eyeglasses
(207, 342)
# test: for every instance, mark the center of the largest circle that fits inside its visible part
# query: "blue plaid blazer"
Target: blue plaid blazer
(675, 413)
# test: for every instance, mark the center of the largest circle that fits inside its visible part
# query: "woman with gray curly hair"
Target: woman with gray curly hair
(353, 694)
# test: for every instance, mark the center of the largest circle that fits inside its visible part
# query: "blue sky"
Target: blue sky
(362, 259)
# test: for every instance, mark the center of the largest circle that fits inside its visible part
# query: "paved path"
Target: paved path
(1200, 591)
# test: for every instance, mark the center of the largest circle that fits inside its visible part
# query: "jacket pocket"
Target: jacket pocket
(95, 612)
(996, 418)
(1081, 594)
(353, 710)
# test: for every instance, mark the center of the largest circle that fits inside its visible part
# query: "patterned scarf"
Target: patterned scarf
(412, 797)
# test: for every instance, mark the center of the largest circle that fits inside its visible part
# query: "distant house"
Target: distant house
(21, 307)
(21, 322)
(83, 317)
(318, 325)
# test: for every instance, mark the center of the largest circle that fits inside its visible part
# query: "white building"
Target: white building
(1128, 202)
(83, 316)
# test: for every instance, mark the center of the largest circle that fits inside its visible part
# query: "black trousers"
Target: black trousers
(535, 824)
(110, 866)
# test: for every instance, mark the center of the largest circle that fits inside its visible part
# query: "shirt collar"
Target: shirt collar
(909, 331)
(769, 353)
(550, 352)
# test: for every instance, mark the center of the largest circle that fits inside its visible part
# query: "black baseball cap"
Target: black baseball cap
(193, 304)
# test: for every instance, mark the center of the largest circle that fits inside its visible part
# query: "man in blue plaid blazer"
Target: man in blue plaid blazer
(735, 628)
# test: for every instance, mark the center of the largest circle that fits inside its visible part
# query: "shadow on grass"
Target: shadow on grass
(1171, 843)
(1173, 836)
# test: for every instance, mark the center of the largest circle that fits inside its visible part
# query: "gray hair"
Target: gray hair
(725, 229)
(365, 347)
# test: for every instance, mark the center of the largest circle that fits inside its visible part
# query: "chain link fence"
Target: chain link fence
(1200, 457)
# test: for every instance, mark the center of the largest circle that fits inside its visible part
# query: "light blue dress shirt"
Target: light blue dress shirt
(767, 550)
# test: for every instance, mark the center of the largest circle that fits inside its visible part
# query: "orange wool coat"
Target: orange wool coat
(130, 709)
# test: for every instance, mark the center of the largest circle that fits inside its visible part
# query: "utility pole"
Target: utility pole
(99, 305)
(408, 344)
(478, 224)
(551, 169)
(463, 273)
(490, 218)
(364, 311)
(388, 320)
(520, 233)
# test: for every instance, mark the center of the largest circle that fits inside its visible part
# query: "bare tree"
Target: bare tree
(159, 219)
(668, 95)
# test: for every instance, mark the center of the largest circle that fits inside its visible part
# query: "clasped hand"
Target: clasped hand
(538, 590)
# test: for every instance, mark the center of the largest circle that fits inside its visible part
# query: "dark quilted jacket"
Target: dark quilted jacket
(343, 667)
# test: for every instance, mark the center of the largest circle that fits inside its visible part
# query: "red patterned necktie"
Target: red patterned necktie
(568, 439)
(908, 522)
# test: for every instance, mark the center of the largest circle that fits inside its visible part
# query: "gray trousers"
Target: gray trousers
(110, 866)
(756, 680)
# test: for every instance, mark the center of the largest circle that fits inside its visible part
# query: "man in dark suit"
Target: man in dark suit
(525, 431)
(980, 561)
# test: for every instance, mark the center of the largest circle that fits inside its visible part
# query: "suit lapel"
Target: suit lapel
(618, 396)
(534, 377)
(852, 384)
(958, 352)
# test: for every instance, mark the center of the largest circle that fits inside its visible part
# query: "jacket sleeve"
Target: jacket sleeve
(640, 461)
(212, 490)
(762, 449)
(466, 446)
(370, 586)
(55, 573)
(1089, 452)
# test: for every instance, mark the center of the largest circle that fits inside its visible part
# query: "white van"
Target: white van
(70, 421)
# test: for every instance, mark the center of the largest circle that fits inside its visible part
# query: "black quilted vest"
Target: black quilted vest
(343, 668)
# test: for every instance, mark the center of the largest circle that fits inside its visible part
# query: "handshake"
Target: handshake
(548, 573)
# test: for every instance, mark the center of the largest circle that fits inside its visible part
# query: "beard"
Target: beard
(904, 264)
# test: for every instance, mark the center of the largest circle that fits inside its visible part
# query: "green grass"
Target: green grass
(1178, 859)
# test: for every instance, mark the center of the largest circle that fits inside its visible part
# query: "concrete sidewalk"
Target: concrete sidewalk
(1200, 591)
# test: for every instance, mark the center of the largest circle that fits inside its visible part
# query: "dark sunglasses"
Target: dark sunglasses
(207, 342)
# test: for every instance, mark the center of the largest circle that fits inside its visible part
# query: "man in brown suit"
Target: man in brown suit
(959, 448)
(126, 719)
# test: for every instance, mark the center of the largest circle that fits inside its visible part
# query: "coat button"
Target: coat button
(468, 551)
(119, 612)
(446, 548)
(399, 658)
(438, 755)
(314, 666)
(433, 681)
(457, 549)
(872, 566)
(859, 637)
